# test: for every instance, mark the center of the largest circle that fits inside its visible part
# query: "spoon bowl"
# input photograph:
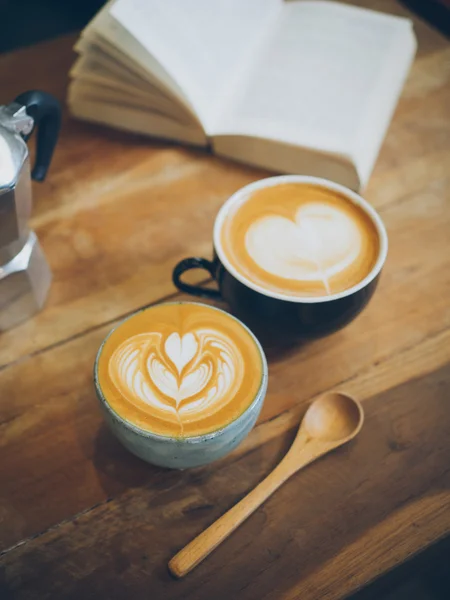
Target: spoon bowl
(334, 417)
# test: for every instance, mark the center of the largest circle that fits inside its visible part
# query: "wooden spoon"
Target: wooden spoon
(330, 421)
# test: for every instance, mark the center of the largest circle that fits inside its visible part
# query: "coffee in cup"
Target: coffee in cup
(294, 256)
(299, 240)
(181, 384)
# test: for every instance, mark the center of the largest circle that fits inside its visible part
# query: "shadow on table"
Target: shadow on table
(424, 577)
(118, 470)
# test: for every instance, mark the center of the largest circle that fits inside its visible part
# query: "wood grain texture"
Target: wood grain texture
(331, 421)
(79, 516)
(330, 529)
(53, 392)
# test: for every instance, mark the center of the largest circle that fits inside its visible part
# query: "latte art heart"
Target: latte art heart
(298, 240)
(321, 242)
(178, 375)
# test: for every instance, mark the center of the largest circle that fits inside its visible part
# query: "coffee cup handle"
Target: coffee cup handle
(196, 290)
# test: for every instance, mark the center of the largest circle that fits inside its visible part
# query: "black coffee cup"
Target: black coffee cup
(273, 316)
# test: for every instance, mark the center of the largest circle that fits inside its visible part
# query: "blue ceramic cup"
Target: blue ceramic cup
(180, 452)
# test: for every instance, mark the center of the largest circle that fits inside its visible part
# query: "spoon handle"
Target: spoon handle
(192, 554)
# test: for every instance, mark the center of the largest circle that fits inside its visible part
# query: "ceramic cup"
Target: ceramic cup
(272, 316)
(183, 452)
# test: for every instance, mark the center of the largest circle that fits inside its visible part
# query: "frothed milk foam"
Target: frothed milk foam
(300, 240)
(180, 369)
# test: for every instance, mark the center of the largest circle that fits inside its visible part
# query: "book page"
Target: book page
(202, 44)
(134, 120)
(317, 76)
(105, 33)
(97, 69)
(82, 87)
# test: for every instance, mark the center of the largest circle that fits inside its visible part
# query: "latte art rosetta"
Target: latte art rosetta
(180, 369)
(178, 376)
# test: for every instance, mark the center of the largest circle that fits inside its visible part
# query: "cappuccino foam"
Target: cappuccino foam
(300, 240)
(180, 369)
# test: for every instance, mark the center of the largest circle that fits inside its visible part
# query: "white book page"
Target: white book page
(202, 44)
(315, 76)
(116, 41)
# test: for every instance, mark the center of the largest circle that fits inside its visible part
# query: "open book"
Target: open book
(300, 87)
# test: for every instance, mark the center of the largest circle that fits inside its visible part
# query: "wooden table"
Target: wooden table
(82, 518)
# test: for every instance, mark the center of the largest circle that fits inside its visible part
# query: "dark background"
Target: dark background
(26, 22)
